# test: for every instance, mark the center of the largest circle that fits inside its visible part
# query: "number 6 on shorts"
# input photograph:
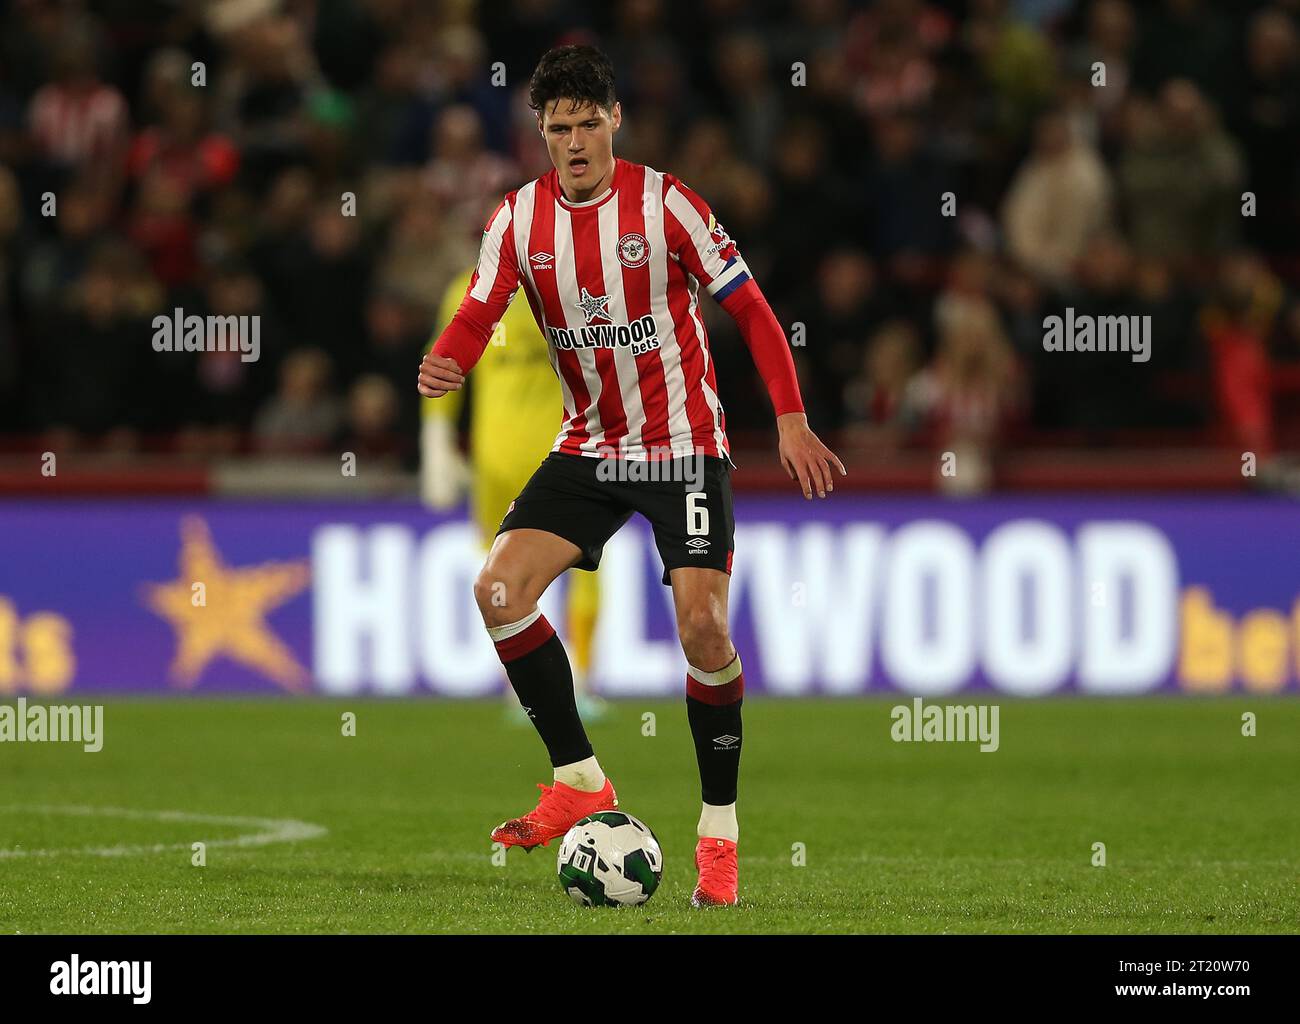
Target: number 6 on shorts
(697, 515)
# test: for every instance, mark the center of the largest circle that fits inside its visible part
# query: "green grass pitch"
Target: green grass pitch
(1199, 823)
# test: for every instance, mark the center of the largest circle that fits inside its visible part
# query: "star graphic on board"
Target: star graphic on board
(231, 618)
(593, 306)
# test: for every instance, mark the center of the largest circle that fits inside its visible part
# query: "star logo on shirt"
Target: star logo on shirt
(594, 307)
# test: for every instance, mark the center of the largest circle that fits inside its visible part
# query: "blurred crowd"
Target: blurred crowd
(916, 185)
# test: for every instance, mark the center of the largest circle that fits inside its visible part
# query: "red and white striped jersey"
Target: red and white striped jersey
(613, 284)
(72, 127)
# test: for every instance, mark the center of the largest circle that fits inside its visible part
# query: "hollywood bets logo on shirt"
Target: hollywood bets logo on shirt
(638, 337)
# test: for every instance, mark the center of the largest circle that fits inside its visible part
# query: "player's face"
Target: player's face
(581, 144)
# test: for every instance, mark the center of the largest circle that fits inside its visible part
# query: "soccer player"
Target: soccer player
(611, 255)
(514, 408)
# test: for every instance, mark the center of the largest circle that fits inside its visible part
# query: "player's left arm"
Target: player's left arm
(707, 251)
(802, 452)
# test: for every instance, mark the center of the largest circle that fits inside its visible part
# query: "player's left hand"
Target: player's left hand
(804, 456)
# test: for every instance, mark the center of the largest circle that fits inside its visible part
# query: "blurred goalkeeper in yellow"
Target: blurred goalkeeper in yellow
(515, 411)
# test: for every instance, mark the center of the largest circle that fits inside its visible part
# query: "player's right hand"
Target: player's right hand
(438, 375)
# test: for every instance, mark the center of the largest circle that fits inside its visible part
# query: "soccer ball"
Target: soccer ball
(610, 859)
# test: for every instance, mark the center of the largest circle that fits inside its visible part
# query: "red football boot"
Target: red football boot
(719, 885)
(559, 809)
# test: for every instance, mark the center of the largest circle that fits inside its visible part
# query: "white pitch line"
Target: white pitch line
(273, 830)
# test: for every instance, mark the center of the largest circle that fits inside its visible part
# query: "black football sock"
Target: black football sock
(539, 672)
(713, 702)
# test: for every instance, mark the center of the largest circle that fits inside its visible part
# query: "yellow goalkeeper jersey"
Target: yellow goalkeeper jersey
(516, 406)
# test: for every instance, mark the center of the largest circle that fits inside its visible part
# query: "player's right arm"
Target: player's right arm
(439, 375)
(495, 281)
(444, 473)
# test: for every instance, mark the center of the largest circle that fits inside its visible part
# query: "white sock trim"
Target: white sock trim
(724, 675)
(718, 821)
(499, 633)
(585, 775)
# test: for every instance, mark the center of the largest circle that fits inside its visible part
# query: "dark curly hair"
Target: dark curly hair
(579, 73)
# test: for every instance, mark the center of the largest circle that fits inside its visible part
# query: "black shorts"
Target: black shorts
(586, 499)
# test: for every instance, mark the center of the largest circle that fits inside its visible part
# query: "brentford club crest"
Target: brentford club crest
(633, 250)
